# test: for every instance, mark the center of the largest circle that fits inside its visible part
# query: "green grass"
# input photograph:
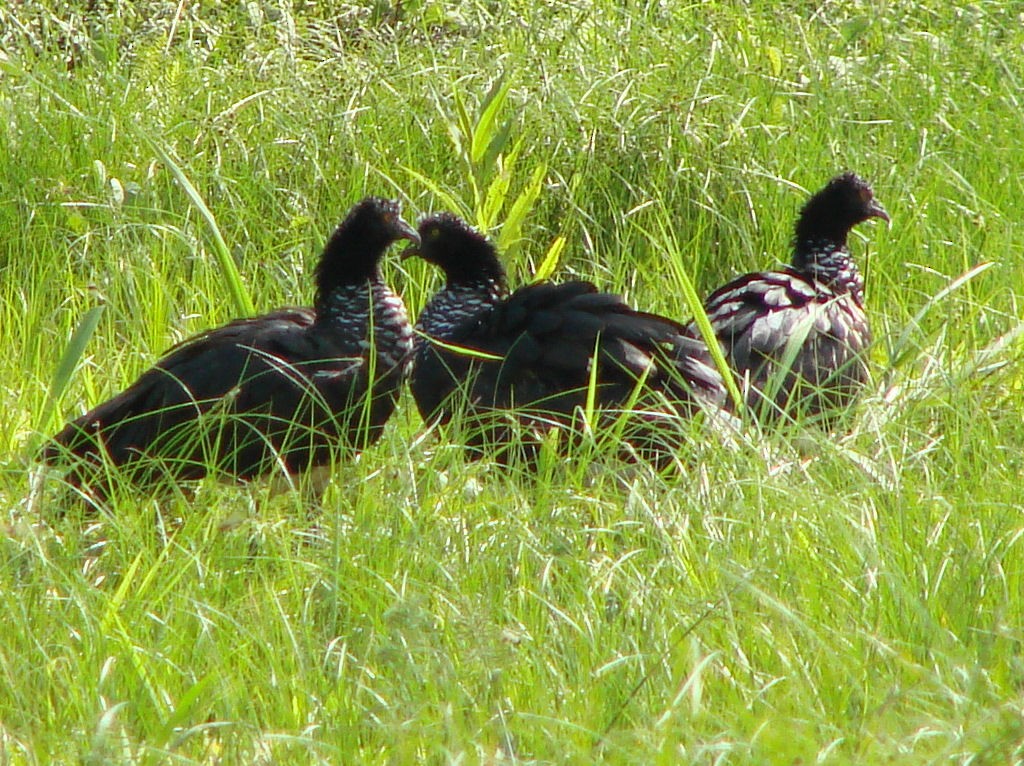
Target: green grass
(856, 600)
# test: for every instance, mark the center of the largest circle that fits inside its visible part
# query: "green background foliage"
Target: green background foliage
(793, 598)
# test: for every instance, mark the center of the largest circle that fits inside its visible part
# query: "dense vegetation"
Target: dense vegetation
(793, 598)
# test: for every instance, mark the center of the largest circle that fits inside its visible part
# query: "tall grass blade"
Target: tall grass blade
(447, 199)
(69, 360)
(794, 344)
(239, 295)
(707, 333)
(471, 353)
(591, 404)
(900, 350)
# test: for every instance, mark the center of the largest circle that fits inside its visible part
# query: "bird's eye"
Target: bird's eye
(433, 233)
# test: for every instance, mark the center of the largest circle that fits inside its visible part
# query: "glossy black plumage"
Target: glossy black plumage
(811, 312)
(540, 343)
(279, 390)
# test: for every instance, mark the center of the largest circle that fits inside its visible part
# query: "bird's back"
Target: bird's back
(533, 352)
(794, 342)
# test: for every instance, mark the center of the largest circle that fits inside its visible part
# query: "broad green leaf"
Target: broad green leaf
(494, 199)
(183, 710)
(550, 261)
(484, 132)
(511, 230)
(486, 166)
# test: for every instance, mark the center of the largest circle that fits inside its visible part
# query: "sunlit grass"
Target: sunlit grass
(793, 597)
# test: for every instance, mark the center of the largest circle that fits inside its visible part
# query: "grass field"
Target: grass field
(856, 599)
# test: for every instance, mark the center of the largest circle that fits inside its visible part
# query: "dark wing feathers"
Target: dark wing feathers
(566, 323)
(268, 377)
(758, 315)
(157, 401)
(545, 336)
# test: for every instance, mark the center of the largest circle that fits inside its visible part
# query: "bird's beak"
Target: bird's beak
(877, 211)
(406, 231)
(412, 251)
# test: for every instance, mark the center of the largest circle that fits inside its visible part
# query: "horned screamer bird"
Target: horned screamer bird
(519, 365)
(797, 337)
(278, 391)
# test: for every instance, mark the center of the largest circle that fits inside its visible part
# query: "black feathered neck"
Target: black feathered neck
(353, 253)
(465, 255)
(825, 221)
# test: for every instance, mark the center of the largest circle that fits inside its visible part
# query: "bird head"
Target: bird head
(464, 254)
(845, 201)
(377, 222)
(853, 199)
(352, 254)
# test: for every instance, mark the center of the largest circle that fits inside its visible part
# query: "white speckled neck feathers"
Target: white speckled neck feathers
(831, 264)
(370, 310)
(822, 228)
(456, 304)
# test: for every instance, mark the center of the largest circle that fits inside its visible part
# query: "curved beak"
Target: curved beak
(877, 211)
(406, 231)
(412, 251)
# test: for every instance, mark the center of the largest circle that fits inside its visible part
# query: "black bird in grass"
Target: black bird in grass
(521, 364)
(811, 312)
(282, 390)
